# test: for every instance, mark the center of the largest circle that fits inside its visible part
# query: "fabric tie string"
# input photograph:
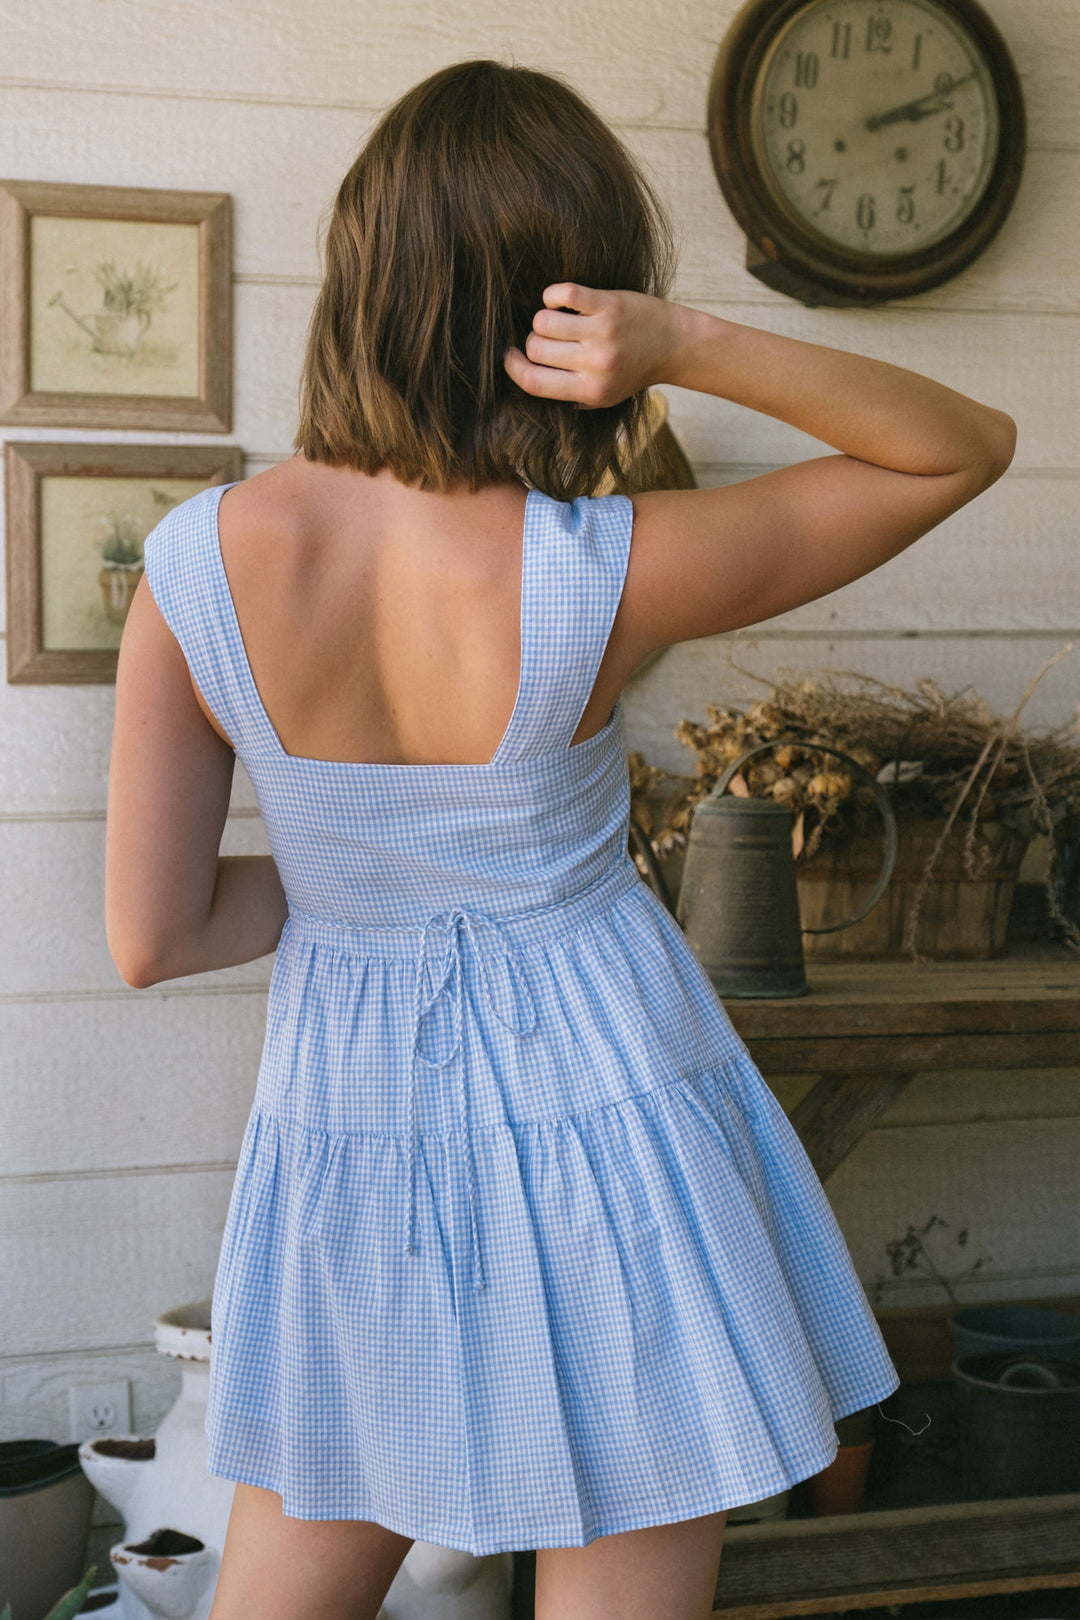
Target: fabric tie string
(497, 954)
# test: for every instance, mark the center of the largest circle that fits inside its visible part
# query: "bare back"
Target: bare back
(383, 623)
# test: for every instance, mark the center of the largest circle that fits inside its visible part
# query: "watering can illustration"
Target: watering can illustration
(738, 902)
(111, 331)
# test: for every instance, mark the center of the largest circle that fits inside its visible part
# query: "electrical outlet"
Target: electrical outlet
(98, 1409)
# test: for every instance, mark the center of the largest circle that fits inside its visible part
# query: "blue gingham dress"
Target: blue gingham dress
(521, 1248)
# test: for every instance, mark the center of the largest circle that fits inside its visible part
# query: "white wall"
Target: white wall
(123, 1110)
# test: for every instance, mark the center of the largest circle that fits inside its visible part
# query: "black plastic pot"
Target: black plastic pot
(45, 1505)
(1020, 1437)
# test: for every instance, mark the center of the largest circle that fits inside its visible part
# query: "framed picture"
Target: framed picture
(115, 307)
(77, 515)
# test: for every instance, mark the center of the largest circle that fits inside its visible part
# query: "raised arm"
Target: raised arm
(704, 561)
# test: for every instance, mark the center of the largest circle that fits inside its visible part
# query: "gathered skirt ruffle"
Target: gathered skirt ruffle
(671, 1322)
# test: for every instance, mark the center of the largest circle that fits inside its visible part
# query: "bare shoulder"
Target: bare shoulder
(275, 489)
(273, 508)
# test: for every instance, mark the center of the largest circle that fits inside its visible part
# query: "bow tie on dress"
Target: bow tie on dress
(500, 965)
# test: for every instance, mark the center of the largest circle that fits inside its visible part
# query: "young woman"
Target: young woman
(522, 1252)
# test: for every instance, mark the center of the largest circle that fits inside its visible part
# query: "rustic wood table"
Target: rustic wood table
(865, 1029)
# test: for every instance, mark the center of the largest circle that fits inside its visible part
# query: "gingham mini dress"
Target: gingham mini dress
(521, 1249)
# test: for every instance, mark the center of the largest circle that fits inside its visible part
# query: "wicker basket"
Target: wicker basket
(960, 917)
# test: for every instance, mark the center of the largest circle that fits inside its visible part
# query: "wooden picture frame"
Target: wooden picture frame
(74, 547)
(115, 307)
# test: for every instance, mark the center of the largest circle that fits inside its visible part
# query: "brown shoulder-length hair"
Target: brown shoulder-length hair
(480, 187)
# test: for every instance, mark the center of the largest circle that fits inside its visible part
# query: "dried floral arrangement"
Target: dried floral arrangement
(939, 756)
(910, 1253)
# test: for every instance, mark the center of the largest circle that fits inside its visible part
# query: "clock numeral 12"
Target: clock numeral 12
(879, 34)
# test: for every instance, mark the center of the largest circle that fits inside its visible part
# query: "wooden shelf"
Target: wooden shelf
(903, 1555)
(865, 1028)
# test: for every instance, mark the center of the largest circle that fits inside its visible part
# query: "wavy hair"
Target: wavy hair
(480, 187)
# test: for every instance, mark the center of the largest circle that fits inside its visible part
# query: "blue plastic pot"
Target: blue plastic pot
(987, 1329)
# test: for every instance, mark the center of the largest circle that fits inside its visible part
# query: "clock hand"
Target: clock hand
(914, 110)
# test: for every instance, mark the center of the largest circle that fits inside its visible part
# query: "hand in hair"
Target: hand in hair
(595, 347)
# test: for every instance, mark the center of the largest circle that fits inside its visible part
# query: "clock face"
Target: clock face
(874, 123)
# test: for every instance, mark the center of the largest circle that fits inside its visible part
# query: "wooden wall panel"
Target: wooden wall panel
(1010, 1183)
(641, 64)
(54, 759)
(88, 1262)
(147, 1079)
(52, 926)
(1027, 268)
(34, 1393)
(712, 670)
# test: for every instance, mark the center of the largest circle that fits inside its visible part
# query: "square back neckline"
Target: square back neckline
(248, 675)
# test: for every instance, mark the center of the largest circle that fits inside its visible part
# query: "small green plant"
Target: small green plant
(71, 1602)
(122, 549)
(132, 292)
(909, 1253)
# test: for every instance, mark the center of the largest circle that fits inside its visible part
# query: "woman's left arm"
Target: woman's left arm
(173, 905)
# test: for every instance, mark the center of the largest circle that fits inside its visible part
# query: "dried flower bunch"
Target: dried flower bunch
(909, 1253)
(938, 756)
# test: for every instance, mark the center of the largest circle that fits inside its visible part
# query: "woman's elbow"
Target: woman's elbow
(136, 970)
(138, 959)
(1002, 444)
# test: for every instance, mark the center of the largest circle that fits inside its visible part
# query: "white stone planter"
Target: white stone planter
(161, 1486)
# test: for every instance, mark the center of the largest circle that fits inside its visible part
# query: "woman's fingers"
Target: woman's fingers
(557, 323)
(545, 351)
(568, 295)
(546, 382)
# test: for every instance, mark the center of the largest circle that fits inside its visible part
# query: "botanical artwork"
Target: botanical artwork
(92, 533)
(114, 306)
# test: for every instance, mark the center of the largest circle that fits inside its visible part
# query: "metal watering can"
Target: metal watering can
(738, 903)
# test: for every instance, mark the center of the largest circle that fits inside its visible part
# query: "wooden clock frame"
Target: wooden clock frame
(788, 258)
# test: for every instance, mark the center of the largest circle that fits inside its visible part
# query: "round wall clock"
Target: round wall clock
(869, 149)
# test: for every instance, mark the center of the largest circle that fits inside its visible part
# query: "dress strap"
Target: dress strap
(187, 579)
(574, 561)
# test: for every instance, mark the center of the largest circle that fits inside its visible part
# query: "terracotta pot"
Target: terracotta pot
(117, 589)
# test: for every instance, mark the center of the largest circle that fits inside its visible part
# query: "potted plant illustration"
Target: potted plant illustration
(122, 565)
(128, 300)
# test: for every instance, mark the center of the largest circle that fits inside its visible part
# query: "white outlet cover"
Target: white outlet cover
(98, 1409)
